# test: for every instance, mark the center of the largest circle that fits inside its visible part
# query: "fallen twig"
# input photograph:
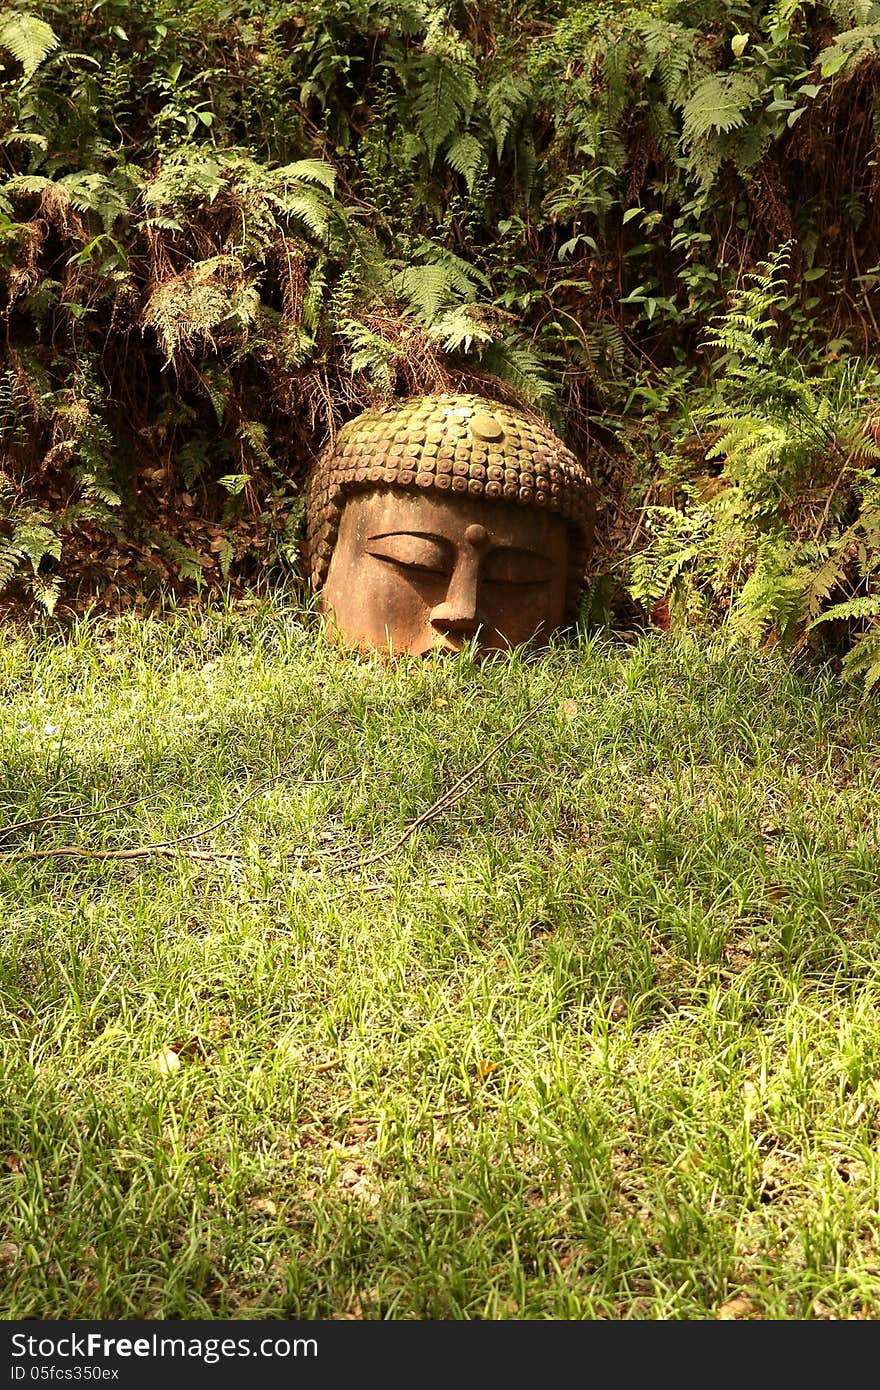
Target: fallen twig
(169, 851)
(371, 1121)
(173, 847)
(80, 812)
(837, 481)
(457, 789)
(331, 1065)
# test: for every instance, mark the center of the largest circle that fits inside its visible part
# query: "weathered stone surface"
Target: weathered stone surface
(494, 483)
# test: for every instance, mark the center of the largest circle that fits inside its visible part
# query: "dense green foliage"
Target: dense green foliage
(599, 1038)
(225, 225)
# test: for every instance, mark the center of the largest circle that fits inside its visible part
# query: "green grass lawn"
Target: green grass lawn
(599, 1038)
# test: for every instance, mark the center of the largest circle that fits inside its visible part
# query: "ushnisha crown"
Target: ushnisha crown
(465, 446)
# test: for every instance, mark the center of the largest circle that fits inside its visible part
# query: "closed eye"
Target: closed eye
(412, 550)
(507, 565)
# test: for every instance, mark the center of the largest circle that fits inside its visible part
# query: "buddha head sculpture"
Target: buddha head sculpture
(443, 519)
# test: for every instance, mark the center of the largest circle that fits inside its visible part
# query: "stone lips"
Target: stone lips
(465, 445)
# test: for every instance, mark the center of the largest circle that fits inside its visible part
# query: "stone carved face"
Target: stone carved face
(422, 572)
(447, 518)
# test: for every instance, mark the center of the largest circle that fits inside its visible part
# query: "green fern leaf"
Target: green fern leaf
(849, 13)
(862, 662)
(468, 158)
(28, 39)
(864, 606)
(823, 582)
(46, 590)
(427, 289)
(307, 171)
(507, 100)
(27, 183)
(8, 562)
(849, 49)
(95, 193)
(444, 99)
(718, 104)
(25, 137)
(255, 434)
(33, 540)
(370, 354)
(311, 211)
(193, 459)
(516, 362)
(95, 490)
(460, 328)
(669, 50)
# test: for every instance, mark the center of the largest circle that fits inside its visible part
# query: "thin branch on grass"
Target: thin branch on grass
(371, 1121)
(169, 851)
(454, 793)
(80, 812)
(173, 847)
(837, 481)
(330, 1065)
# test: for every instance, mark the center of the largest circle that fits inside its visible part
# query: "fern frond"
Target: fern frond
(184, 175)
(669, 50)
(749, 322)
(459, 329)
(718, 104)
(28, 39)
(516, 362)
(45, 590)
(96, 490)
(309, 209)
(32, 540)
(95, 193)
(307, 171)
(9, 558)
(193, 459)
(863, 606)
(467, 157)
(862, 662)
(443, 100)
(507, 100)
(849, 49)
(851, 13)
(191, 307)
(770, 598)
(369, 353)
(823, 581)
(25, 137)
(427, 289)
(615, 58)
(254, 434)
(27, 183)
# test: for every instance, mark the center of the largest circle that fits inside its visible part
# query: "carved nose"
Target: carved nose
(449, 617)
(460, 612)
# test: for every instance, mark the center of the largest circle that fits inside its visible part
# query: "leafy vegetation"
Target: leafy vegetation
(598, 1038)
(782, 533)
(226, 225)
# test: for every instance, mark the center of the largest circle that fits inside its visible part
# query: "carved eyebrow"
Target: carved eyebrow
(419, 535)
